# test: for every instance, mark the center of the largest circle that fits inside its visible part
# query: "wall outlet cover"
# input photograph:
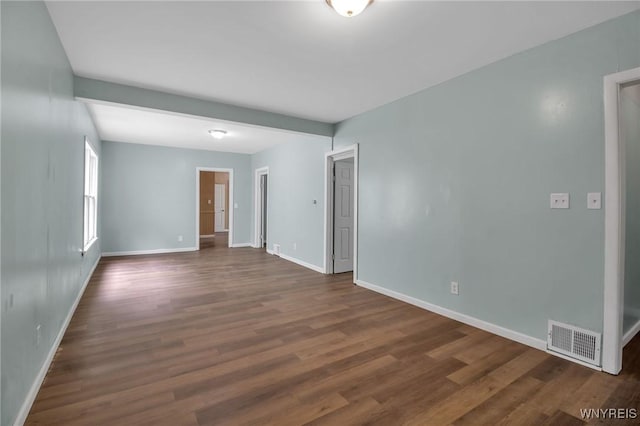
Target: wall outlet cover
(594, 200)
(559, 200)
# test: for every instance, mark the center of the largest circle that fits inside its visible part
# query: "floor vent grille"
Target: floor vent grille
(574, 342)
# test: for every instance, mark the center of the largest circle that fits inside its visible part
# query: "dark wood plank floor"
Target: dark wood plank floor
(236, 336)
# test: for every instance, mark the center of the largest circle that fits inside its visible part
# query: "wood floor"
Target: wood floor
(237, 337)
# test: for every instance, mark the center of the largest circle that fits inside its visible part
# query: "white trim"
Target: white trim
(631, 333)
(90, 244)
(37, 383)
(90, 194)
(236, 245)
(256, 204)
(330, 158)
(302, 263)
(467, 319)
(271, 252)
(613, 224)
(230, 207)
(154, 251)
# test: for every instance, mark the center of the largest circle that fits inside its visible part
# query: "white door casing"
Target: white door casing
(330, 158)
(614, 225)
(219, 207)
(197, 203)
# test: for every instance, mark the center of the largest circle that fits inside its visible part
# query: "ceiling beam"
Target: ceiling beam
(103, 91)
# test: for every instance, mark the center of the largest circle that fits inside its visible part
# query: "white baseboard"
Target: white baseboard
(467, 319)
(154, 251)
(301, 263)
(270, 252)
(35, 387)
(236, 245)
(631, 333)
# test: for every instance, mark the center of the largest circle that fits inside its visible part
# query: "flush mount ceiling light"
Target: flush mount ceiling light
(218, 133)
(349, 8)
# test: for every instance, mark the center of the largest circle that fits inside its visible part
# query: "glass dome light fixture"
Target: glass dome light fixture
(349, 8)
(218, 133)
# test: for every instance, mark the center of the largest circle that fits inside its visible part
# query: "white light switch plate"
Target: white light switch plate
(594, 200)
(560, 200)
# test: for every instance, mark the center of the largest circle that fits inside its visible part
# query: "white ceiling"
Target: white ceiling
(120, 123)
(300, 58)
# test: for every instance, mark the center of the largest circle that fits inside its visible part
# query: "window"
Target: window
(90, 196)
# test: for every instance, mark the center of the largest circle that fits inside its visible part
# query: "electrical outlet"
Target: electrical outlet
(295, 246)
(454, 288)
(179, 238)
(38, 334)
(559, 200)
(594, 200)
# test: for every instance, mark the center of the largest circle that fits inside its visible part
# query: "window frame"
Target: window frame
(90, 197)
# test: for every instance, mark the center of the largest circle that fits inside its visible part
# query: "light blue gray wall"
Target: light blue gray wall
(296, 178)
(42, 153)
(149, 195)
(455, 183)
(630, 132)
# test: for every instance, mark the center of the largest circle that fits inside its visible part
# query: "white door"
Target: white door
(343, 216)
(219, 207)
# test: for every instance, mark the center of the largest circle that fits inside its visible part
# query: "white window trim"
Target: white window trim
(93, 192)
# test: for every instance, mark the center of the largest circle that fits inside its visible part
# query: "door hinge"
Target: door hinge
(333, 257)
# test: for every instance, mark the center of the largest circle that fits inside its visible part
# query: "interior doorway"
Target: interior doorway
(207, 210)
(343, 202)
(214, 197)
(614, 335)
(341, 213)
(261, 207)
(629, 122)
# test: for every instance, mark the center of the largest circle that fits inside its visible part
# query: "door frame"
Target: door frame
(262, 171)
(330, 158)
(230, 208)
(614, 223)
